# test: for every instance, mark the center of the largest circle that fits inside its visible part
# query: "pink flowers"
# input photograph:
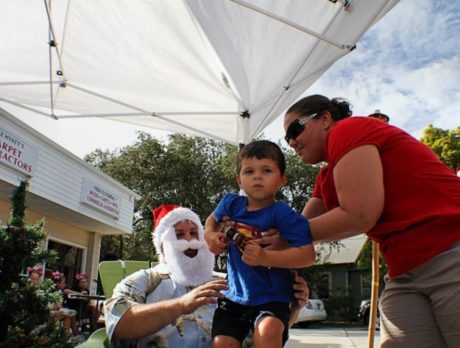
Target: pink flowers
(37, 269)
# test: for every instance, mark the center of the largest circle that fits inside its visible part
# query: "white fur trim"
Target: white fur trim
(169, 220)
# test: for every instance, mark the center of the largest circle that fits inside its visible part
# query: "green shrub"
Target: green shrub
(24, 312)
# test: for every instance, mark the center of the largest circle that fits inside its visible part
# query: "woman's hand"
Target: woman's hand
(253, 254)
(301, 291)
(271, 240)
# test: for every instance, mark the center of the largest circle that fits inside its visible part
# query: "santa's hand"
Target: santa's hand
(253, 254)
(201, 295)
(271, 239)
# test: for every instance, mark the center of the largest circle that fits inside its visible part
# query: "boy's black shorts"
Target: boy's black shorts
(235, 320)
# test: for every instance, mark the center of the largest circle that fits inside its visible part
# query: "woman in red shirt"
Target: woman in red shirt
(381, 181)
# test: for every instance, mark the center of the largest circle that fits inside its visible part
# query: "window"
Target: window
(69, 262)
(319, 283)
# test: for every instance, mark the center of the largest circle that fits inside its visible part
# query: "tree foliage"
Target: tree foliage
(190, 171)
(445, 143)
(25, 316)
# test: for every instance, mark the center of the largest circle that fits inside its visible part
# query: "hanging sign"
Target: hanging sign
(100, 197)
(17, 154)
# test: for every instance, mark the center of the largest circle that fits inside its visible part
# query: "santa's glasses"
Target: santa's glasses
(297, 127)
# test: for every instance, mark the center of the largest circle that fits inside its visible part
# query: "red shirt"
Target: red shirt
(421, 214)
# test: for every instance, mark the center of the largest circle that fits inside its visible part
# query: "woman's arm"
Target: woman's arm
(358, 178)
(292, 257)
(314, 207)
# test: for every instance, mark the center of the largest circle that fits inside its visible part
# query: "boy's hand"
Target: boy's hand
(214, 236)
(253, 254)
(217, 243)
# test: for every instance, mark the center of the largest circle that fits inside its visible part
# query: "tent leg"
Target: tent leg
(374, 293)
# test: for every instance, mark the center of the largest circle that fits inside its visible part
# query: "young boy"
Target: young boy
(259, 280)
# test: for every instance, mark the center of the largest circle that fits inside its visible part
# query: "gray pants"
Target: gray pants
(421, 308)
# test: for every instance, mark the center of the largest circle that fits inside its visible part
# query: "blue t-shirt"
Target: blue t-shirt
(256, 285)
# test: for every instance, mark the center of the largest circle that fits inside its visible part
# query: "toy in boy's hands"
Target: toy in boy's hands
(240, 234)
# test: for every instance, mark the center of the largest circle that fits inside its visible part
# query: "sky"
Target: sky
(407, 66)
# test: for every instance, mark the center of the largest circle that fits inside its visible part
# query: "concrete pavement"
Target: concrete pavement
(330, 338)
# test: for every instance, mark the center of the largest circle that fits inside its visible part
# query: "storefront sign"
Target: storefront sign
(100, 198)
(17, 154)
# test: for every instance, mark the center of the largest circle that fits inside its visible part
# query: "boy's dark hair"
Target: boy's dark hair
(261, 149)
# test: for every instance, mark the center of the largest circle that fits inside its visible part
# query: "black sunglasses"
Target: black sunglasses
(297, 127)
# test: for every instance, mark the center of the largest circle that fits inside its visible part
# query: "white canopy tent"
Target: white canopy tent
(216, 68)
(223, 69)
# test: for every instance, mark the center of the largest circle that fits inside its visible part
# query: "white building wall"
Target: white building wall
(59, 177)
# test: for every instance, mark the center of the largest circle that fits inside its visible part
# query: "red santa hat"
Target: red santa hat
(166, 216)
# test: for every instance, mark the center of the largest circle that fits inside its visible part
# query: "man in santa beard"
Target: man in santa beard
(185, 255)
(171, 304)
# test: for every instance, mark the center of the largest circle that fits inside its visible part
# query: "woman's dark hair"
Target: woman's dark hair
(262, 149)
(338, 107)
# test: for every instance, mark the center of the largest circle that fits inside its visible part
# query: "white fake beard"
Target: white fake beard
(188, 271)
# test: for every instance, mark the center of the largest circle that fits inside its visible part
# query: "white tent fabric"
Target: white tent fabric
(216, 68)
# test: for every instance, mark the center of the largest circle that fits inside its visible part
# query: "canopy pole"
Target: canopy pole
(374, 294)
(242, 133)
(290, 85)
(51, 44)
(19, 105)
(294, 25)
